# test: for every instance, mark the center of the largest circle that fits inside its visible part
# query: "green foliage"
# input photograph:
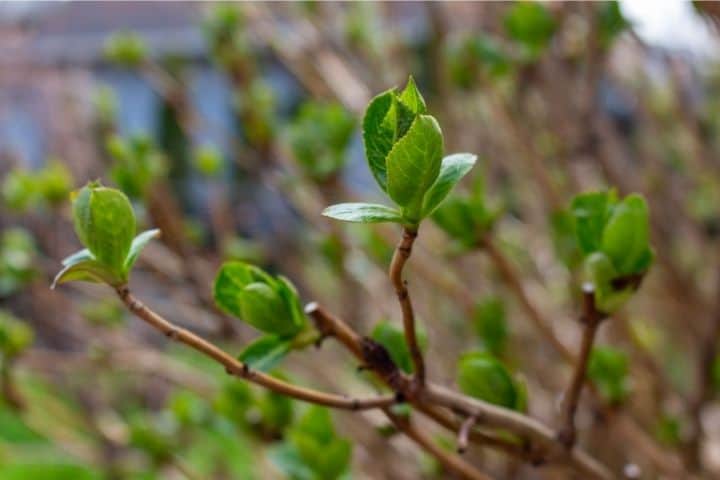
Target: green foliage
(105, 224)
(393, 339)
(319, 137)
(404, 148)
(313, 450)
(126, 49)
(716, 373)
(266, 352)
(15, 335)
(23, 189)
(475, 58)
(530, 24)
(608, 368)
(137, 163)
(270, 304)
(491, 325)
(482, 376)
(208, 160)
(565, 243)
(17, 258)
(613, 236)
(363, 213)
(467, 218)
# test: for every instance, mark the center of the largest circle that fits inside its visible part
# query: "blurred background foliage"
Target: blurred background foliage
(232, 126)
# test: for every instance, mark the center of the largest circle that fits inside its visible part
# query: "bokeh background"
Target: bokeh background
(231, 126)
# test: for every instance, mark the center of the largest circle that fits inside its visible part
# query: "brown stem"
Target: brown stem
(433, 396)
(591, 319)
(400, 257)
(663, 459)
(451, 462)
(240, 369)
(464, 433)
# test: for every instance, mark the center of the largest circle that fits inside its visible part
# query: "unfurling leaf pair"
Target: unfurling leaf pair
(105, 224)
(404, 149)
(270, 304)
(614, 237)
(483, 376)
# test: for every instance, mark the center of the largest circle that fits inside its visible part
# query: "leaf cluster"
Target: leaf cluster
(614, 238)
(105, 224)
(404, 149)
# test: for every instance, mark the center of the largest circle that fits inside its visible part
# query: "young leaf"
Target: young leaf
(378, 135)
(452, 169)
(591, 211)
(86, 270)
(490, 324)
(229, 281)
(412, 98)
(137, 246)
(363, 213)
(531, 24)
(265, 310)
(626, 236)
(266, 303)
(105, 223)
(266, 352)
(413, 165)
(482, 376)
(608, 369)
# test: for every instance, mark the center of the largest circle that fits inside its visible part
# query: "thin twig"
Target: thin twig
(591, 319)
(451, 462)
(464, 433)
(240, 369)
(437, 396)
(400, 256)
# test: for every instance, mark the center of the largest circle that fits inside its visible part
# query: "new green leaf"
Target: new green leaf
(138, 244)
(266, 352)
(482, 376)
(363, 213)
(413, 165)
(452, 169)
(378, 135)
(105, 223)
(626, 236)
(269, 304)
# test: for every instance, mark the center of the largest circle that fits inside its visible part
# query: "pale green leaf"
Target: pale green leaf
(363, 213)
(87, 270)
(412, 98)
(137, 246)
(266, 352)
(452, 169)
